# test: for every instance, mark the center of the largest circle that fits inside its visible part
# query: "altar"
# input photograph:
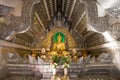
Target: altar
(47, 71)
(43, 71)
(60, 51)
(75, 71)
(59, 41)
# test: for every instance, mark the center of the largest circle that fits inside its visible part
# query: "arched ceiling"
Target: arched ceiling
(35, 17)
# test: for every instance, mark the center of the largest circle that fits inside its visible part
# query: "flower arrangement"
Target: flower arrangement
(55, 61)
(53, 64)
(66, 61)
(65, 65)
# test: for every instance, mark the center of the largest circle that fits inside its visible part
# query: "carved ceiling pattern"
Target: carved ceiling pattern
(19, 24)
(114, 12)
(23, 39)
(77, 13)
(50, 7)
(26, 21)
(4, 10)
(23, 23)
(41, 11)
(95, 39)
(29, 36)
(81, 25)
(101, 23)
(68, 8)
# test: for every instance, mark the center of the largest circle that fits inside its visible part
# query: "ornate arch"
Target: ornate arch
(47, 42)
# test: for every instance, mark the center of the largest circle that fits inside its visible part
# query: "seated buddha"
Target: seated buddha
(59, 47)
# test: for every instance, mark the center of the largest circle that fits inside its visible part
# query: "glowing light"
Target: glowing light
(108, 36)
(107, 3)
(112, 43)
(115, 52)
(90, 28)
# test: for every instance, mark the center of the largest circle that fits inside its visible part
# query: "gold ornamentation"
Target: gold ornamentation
(59, 46)
(47, 42)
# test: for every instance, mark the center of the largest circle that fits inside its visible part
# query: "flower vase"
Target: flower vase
(65, 71)
(54, 71)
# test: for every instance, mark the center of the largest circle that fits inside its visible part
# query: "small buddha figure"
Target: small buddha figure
(59, 46)
(43, 51)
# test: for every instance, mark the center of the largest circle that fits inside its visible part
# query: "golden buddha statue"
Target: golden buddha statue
(58, 47)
